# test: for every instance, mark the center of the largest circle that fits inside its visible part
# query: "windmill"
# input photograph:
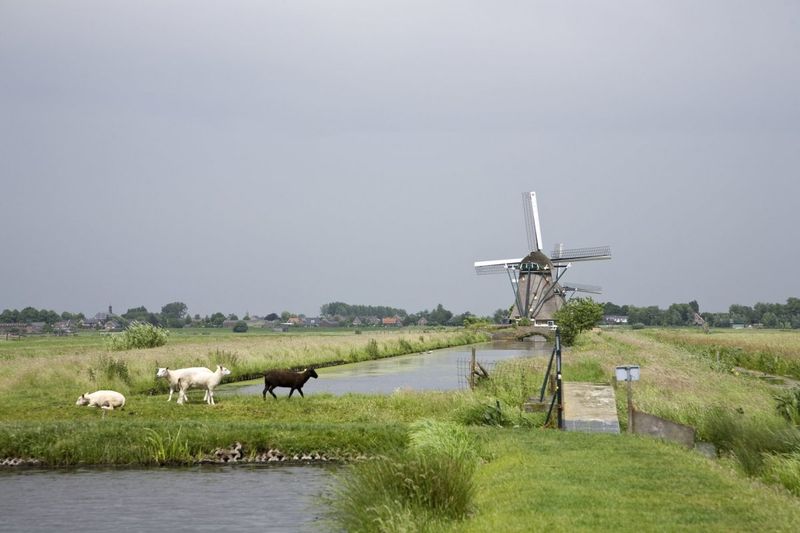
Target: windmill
(536, 278)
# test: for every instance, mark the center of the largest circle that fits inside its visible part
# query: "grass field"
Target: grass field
(528, 478)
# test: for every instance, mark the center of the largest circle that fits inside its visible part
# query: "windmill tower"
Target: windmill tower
(536, 278)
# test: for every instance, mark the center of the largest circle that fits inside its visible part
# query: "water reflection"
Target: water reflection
(202, 498)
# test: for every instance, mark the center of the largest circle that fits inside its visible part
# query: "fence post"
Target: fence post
(472, 370)
(630, 407)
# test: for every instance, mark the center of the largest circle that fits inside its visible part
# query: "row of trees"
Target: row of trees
(30, 315)
(768, 315)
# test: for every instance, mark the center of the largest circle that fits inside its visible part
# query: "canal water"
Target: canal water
(444, 369)
(204, 498)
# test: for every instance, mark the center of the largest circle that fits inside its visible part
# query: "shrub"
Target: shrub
(429, 483)
(784, 470)
(789, 405)
(576, 316)
(240, 327)
(749, 439)
(372, 349)
(138, 335)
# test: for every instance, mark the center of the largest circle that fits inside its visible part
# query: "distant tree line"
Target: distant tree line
(352, 311)
(30, 315)
(768, 315)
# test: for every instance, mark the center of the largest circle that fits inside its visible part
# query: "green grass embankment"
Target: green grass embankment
(556, 481)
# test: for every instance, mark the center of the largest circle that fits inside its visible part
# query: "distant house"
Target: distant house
(91, 323)
(422, 321)
(357, 321)
(615, 319)
(373, 320)
(112, 325)
(392, 321)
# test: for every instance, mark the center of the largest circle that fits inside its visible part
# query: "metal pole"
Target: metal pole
(559, 388)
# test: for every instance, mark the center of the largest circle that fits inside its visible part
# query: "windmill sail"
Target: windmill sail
(561, 256)
(531, 211)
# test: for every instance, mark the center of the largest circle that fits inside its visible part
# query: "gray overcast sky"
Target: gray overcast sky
(269, 156)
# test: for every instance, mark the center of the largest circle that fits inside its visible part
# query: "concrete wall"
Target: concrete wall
(645, 424)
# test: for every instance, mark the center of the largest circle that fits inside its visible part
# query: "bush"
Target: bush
(138, 335)
(789, 405)
(430, 483)
(576, 316)
(749, 440)
(240, 327)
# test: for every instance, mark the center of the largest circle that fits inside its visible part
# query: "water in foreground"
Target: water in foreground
(203, 498)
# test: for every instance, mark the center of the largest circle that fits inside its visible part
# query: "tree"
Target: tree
(139, 314)
(500, 316)
(440, 315)
(217, 319)
(240, 326)
(173, 314)
(272, 317)
(576, 316)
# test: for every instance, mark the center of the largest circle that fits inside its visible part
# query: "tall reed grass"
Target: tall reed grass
(427, 485)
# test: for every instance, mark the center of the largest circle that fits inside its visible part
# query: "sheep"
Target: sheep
(104, 399)
(201, 378)
(174, 375)
(286, 378)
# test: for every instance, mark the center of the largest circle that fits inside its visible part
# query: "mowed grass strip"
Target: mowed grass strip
(558, 481)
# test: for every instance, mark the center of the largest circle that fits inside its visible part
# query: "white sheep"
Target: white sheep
(104, 399)
(174, 375)
(201, 378)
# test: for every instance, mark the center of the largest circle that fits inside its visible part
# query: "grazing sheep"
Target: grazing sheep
(104, 399)
(174, 375)
(201, 378)
(286, 378)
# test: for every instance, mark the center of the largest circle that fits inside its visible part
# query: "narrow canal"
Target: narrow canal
(439, 370)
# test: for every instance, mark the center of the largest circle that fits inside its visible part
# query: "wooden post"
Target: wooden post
(472, 370)
(630, 406)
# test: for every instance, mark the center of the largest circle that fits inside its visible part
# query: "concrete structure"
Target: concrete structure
(590, 407)
(646, 424)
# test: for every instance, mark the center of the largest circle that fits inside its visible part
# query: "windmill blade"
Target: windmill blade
(580, 287)
(496, 266)
(531, 211)
(561, 256)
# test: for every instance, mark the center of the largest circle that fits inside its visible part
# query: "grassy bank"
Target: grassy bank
(770, 351)
(555, 481)
(51, 370)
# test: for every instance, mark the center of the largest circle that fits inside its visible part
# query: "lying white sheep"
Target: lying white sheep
(201, 378)
(104, 399)
(174, 375)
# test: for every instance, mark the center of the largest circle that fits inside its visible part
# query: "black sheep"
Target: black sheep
(286, 378)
